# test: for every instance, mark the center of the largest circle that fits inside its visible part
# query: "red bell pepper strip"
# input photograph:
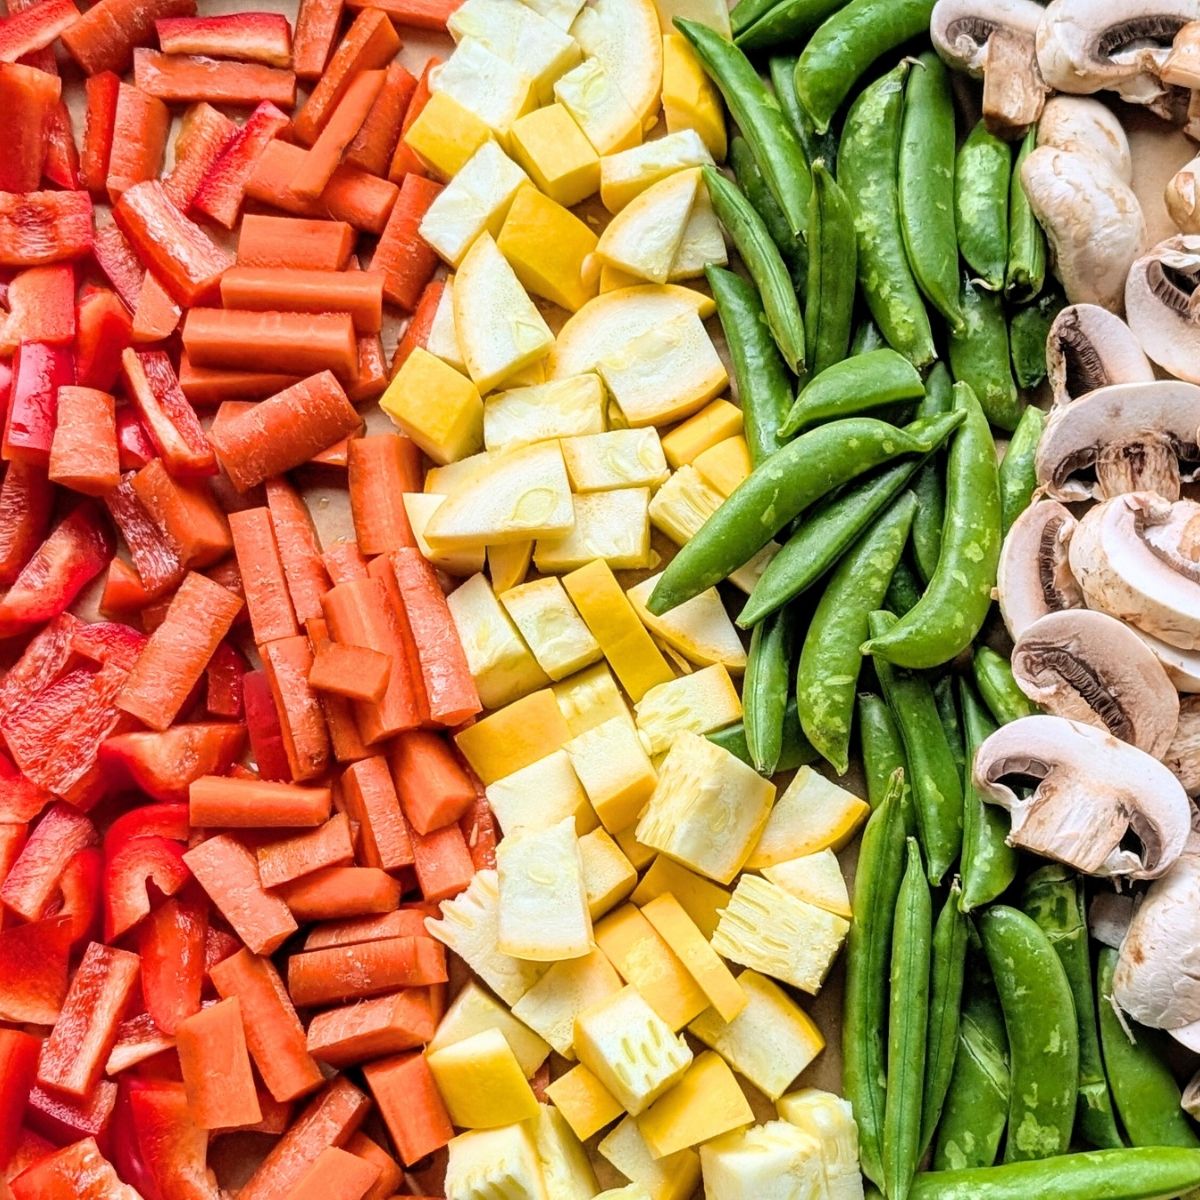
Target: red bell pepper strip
(20, 801)
(316, 28)
(35, 28)
(171, 944)
(248, 36)
(33, 970)
(148, 820)
(168, 417)
(155, 558)
(375, 143)
(262, 725)
(420, 324)
(128, 871)
(41, 307)
(43, 660)
(79, 894)
(109, 642)
(186, 78)
(223, 680)
(138, 1038)
(104, 331)
(83, 453)
(44, 227)
(104, 37)
(133, 443)
(28, 97)
(407, 261)
(62, 155)
(164, 764)
(222, 189)
(100, 93)
(76, 1172)
(159, 1145)
(140, 129)
(405, 161)
(39, 371)
(26, 497)
(115, 257)
(18, 1068)
(204, 134)
(30, 1148)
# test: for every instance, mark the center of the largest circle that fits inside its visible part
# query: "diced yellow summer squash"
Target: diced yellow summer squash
(500, 663)
(566, 1167)
(446, 134)
(556, 154)
(483, 83)
(566, 990)
(675, 1177)
(700, 628)
(509, 564)
(690, 100)
(771, 931)
(624, 36)
(643, 238)
(622, 458)
(514, 736)
(812, 814)
(585, 1103)
(541, 794)
(630, 1049)
(443, 337)
(769, 1042)
(610, 617)
(703, 242)
(704, 1104)
(628, 173)
(699, 703)
(546, 245)
(646, 961)
(589, 699)
(631, 1191)
(561, 13)
(530, 375)
(816, 878)
(613, 527)
(420, 507)
(481, 1082)
(725, 465)
(487, 1163)
(665, 374)
(700, 898)
(437, 407)
(448, 478)
(608, 876)
(590, 94)
(562, 408)
(691, 947)
(640, 855)
(472, 1011)
(712, 424)
(764, 1162)
(615, 770)
(553, 630)
(830, 1120)
(612, 278)
(708, 808)
(468, 926)
(713, 13)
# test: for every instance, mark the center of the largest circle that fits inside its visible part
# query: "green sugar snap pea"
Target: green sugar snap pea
(979, 355)
(831, 282)
(852, 386)
(882, 749)
(1028, 329)
(904, 592)
(794, 749)
(994, 678)
(765, 691)
(929, 486)
(787, 22)
(947, 706)
(866, 338)
(1018, 467)
(749, 178)
(817, 147)
(982, 179)
(1026, 271)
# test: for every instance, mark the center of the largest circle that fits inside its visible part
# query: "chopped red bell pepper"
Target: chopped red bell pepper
(156, 316)
(33, 970)
(62, 154)
(26, 497)
(171, 942)
(264, 37)
(223, 679)
(172, 1147)
(134, 448)
(79, 894)
(138, 1038)
(149, 820)
(164, 764)
(35, 28)
(140, 130)
(65, 1120)
(41, 307)
(115, 257)
(18, 1068)
(187, 78)
(109, 642)
(479, 832)
(222, 190)
(76, 1172)
(104, 37)
(44, 659)
(30, 1148)
(129, 869)
(44, 227)
(101, 92)
(168, 417)
(262, 724)
(39, 371)
(104, 331)
(219, 944)
(204, 134)
(29, 99)
(20, 801)
(155, 558)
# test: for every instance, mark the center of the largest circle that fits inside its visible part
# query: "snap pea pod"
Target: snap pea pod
(750, 180)
(779, 489)
(943, 697)
(831, 284)
(764, 384)
(765, 690)
(764, 263)
(926, 180)
(982, 179)
(930, 484)
(979, 355)
(956, 602)
(975, 1110)
(787, 22)
(989, 863)
(904, 592)
(908, 1027)
(1141, 1174)
(852, 386)
(1027, 332)
(1026, 271)
(936, 784)
(1145, 1091)
(817, 147)
(831, 657)
(868, 953)
(1053, 897)
(1018, 467)
(867, 175)
(841, 50)
(866, 338)
(950, 936)
(994, 678)
(794, 749)
(745, 12)
(758, 115)
(1043, 1044)
(882, 750)
(822, 537)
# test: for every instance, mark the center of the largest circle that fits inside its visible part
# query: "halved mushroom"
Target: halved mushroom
(1161, 305)
(1100, 805)
(1181, 67)
(1137, 557)
(1091, 667)
(1034, 577)
(1131, 435)
(1084, 125)
(1088, 348)
(1183, 197)
(1183, 754)
(1182, 666)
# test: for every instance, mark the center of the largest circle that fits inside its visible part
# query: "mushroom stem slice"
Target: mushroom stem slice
(1013, 90)
(1161, 305)
(1100, 805)
(1140, 465)
(961, 29)
(1183, 197)
(1183, 755)
(1035, 577)
(1181, 67)
(1182, 666)
(1089, 347)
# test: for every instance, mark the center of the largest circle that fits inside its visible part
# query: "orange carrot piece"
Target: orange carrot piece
(407, 921)
(370, 798)
(336, 1175)
(370, 44)
(354, 1033)
(274, 1035)
(289, 289)
(188, 78)
(351, 671)
(410, 1105)
(187, 513)
(288, 662)
(405, 161)
(83, 454)
(316, 27)
(285, 430)
(301, 242)
(203, 134)
(390, 1174)
(380, 569)
(276, 1117)
(344, 122)
(290, 858)
(331, 1119)
(156, 316)
(206, 386)
(479, 832)
(420, 324)
(223, 802)
(383, 466)
(139, 139)
(405, 258)
(337, 892)
(433, 786)
(344, 560)
(372, 376)
(443, 863)
(299, 550)
(340, 718)
(223, 189)
(375, 142)
(263, 581)
(319, 978)
(420, 14)
(171, 664)
(215, 1065)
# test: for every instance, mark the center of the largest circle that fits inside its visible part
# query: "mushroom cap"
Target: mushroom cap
(1085, 126)
(1089, 347)
(1135, 557)
(960, 29)
(1034, 577)
(1182, 666)
(1092, 219)
(1093, 791)
(1160, 305)
(1091, 667)
(1183, 755)
(1132, 434)
(1189, 1036)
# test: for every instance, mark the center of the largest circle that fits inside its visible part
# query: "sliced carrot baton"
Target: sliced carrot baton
(405, 161)
(479, 832)
(407, 921)
(372, 377)
(222, 190)
(215, 1065)
(290, 858)
(405, 258)
(29, 98)
(344, 122)
(340, 718)
(223, 801)
(100, 93)
(140, 127)
(420, 324)
(420, 14)
(264, 37)
(370, 798)
(263, 581)
(208, 386)
(318, 978)
(45, 227)
(432, 784)
(375, 142)
(299, 342)
(169, 419)
(380, 569)
(156, 316)
(316, 28)
(83, 455)
(287, 663)
(334, 893)
(442, 861)
(204, 134)
(187, 513)
(186, 78)
(336, 1175)
(391, 1176)
(410, 1105)
(300, 242)
(351, 671)
(289, 289)
(28, 30)
(382, 467)
(299, 549)
(344, 560)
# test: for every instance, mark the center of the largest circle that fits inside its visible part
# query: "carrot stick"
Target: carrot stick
(290, 858)
(186, 78)
(382, 466)
(337, 892)
(156, 315)
(351, 671)
(203, 135)
(344, 560)
(390, 1174)
(206, 386)
(380, 570)
(410, 1105)
(274, 1036)
(215, 1065)
(299, 550)
(344, 1037)
(372, 375)
(288, 289)
(316, 27)
(285, 430)
(322, 977)
(375, 142)
(300, 242)
(263, 581)
(443, 863)
(405, 161)
(294, 342)
(420, 324)
(83, 454)
(187, 513)
(370, 799)
(343, 123)
(305, 736)
(420, 14)
(405, 258)
(140, 127)
(220, 801)
(223, 189)
(340, 718)
(336, 1175)
(408, 921)
(433, 787)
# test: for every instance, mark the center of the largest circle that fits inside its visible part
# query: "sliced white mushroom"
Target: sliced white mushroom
(1183, 197)
(1127, 437)
(1083, 125)
(1161, 304)
(1137, 557)
(1088, 348)
(1188, 1035)
(960, 29)
(1035, 577)
(1158, 151)
(1109, 915)
(1099, 805)
(1181, 67)
(1183, 754)
(1182, 666)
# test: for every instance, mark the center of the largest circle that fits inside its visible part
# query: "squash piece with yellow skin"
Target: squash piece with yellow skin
(624, 35)
(627, 174)
(591, 95)
(556, 154)
(700, 628)
(546, 246)
(643, 238)
(484, 84)
(689, 98)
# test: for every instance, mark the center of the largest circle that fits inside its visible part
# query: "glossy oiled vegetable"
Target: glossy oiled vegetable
(1018, 470)
(765, 691)
(979, 354)
(794, 748)
(994, 678)
(766, 23)
(882, 749)
(982, 178)
(949, 961)
(1026, 271)
(854, 385)
(749, 178)
(930, 484)
(831, 281)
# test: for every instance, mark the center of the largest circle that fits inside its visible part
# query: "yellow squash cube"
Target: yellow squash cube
(554, 631)
(612, 527)
(712, 424)
(703, 1105)
(749, 1164)
(725, 465)
(563, 992)
(812, 814)
(675, 1177)
(816, 878)
(472, 1011)
(508, 564)
(445, 134)
(482, 82)
(591, 96)
(556, 154)
(562, 408)
(485, 1163)
(566, 1167)
(690, 99)
(546, 246)
(608, 876)
(585, 1103)
(628, 173)
(703, 242)
(615, 770)
(481, 1083)
(621, 458)
(643, 238)
(640, 855)
(699, 703)
(420, 507)
(589, 699)
(514, 737)
(830, 1120)
(437, 407)
(700, 898)
(699, 628)
(541, 794)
